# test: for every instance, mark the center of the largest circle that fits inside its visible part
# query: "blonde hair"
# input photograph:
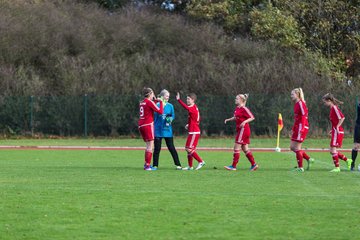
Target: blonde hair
(244, 96)
(164, 92)
(331, 98)
(300, 93)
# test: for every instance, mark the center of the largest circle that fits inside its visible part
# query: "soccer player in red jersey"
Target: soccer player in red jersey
(300, 128)
(337, 132)
(242, 116)
(193, 130)
(147, 107)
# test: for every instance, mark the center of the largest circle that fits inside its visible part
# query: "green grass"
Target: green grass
(62, 194)
(179, 141)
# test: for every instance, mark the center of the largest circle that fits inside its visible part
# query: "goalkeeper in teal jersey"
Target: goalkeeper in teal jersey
(163, 129)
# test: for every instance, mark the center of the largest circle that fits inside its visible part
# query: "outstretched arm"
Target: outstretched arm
(181, 102)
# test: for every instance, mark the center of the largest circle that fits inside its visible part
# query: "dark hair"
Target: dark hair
(331, 98)
(146, 91)
(192, 96)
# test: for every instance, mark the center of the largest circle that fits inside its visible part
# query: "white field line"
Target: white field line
(163, 148)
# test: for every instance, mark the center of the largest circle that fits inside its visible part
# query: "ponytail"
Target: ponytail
(331, 98)
(244, 96)
(300, 93)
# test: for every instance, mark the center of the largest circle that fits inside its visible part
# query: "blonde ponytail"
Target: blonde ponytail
(244, 96)
(300, 93)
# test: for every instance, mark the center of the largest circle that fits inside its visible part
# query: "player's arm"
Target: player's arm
(229, 119)
(250, 117)
(181, 102)
(302, 116)
(341, 120)
(303, 121)
(157, 109)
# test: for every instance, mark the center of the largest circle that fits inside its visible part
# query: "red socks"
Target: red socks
(197, 157)
(305, 156)
(250, 157)
(299, 158)
(335, 157)
(148, 157)
(193, 155)
(342, 156)
(236, 157)
(190, 159)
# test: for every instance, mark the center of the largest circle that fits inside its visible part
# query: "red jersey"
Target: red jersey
(335, 116)
(146, 111)
(301, 114)
(241, 114)
(193, 119)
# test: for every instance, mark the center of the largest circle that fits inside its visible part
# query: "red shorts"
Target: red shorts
(147, 132)
(192, 141)
(336, 138)
(299, 133)
(243, 136)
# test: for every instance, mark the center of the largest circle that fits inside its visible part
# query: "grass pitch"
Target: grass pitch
(62, 194)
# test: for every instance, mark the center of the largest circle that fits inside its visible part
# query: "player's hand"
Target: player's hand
(186, 126)
(242, 124)
(225, 121)
(177, 96)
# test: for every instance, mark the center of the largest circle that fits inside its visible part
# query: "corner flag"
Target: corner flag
(280, 127)
(280, 123)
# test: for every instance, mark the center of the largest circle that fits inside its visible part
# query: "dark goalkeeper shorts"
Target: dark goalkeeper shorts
(357, 134)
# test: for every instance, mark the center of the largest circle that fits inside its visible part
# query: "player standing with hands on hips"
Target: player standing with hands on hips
(300, 128)
(356, 147)
(337, 132)
(242, 116)
(193, 130)
(147, 107)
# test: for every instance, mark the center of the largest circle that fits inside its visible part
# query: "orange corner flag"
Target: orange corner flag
(280, 123)
(280, 126)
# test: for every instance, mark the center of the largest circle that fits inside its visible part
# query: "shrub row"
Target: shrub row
(72, 49)
(111, 115)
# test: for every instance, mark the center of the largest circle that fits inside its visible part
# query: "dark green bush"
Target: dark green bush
(73, 49)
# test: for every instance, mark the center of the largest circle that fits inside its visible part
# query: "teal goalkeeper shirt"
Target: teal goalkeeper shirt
(162, 122)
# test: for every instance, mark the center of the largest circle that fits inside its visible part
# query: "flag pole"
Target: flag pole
(278, 138)
(280, 126)
(278, 149)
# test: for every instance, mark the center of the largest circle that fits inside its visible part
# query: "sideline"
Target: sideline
(215, 149)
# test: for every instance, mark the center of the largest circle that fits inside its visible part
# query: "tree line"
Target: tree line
(328, 29)
(76, 48)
